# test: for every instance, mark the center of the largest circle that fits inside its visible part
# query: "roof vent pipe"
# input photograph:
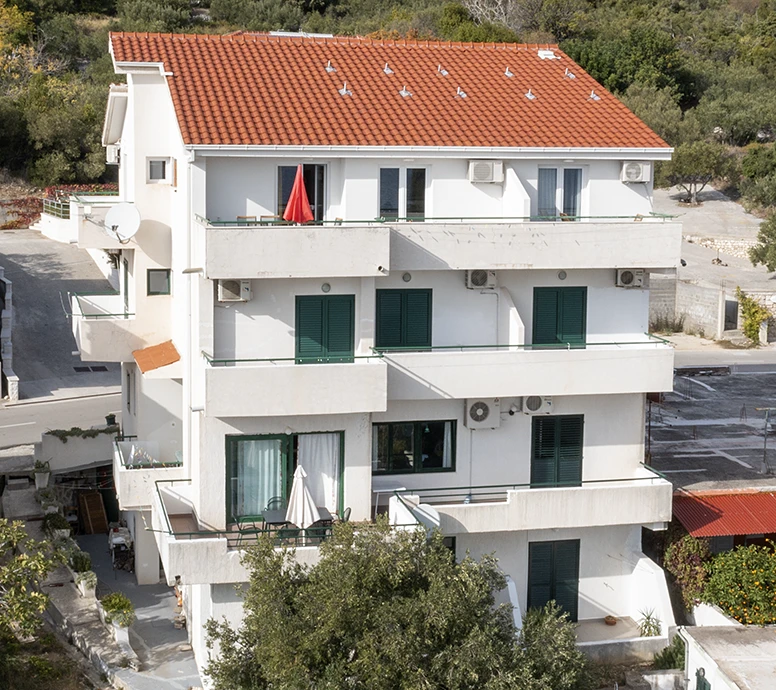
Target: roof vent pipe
(387, 69)
(345, 91)
(460, 93)
(508, 73)
(404, 93)
(593, 96)
(569, 74)
(530, 95)
(329, 68)
(442, 71)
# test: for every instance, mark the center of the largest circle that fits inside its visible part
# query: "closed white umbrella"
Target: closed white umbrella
(301, 506)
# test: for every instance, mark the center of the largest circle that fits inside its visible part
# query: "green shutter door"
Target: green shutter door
(566, 576)
(573, 313)
(545, 316)
(553, 574)
(417, 318)
(309, 329)
(569, 450)
(539, 573)
(543, 455)
(340, 327)
(389, 317)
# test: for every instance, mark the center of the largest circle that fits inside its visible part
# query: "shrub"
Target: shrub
(88, 578)
(649, 624)
(672, 656)
(52, 521)
(753, 314)
(42, 466)
(118, 608)
(742, 583)
(81, 562)
(686, 561)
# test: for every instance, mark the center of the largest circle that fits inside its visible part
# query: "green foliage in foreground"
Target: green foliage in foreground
(672, 656)
(382, 610)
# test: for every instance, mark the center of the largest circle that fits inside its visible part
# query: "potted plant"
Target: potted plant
(80, 562)
(56, 525)
(42, 472)
(86, 583)
(110, 419)
(118, 609)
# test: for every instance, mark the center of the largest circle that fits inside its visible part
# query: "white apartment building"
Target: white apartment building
(463, 327)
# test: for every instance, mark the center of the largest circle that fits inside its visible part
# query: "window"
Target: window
(403, 319)
(556, 450)
(158, 281)
(314, 183)
(407, 201)
(158, 169)
(260, 471)
(325, 328)
(560, 316)
(559, 200)
(553, 574)
(404, 447)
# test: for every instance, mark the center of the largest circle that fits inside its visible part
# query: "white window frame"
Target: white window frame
(403, 187)
(583, 201)
(167, 179)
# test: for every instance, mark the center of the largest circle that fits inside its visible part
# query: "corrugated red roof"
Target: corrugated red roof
(257, 89)
(726, 514)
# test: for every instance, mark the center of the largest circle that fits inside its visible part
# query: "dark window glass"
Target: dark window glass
(404, 447)
(548, 187)
(416, 192)
(389, 193)
(572, 190)
(157, 170)
(314, 177)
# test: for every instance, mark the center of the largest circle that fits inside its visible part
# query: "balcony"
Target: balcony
(642, 499)
(251, 249)
(280, 387)
(460, 372)
(79, 219)
(136, 466)
(105, 331)
(202, 555)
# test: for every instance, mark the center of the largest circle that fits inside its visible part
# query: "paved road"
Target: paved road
(741, 360)
(24, 423)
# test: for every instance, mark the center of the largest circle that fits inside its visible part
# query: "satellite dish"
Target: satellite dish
(122, 222)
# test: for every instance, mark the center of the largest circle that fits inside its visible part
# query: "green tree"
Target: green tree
(24, 563)
(695, 165)
(686, 560)
(166, 16)
(382, 610)
(764, 252)
(658, 108)
(258, 15)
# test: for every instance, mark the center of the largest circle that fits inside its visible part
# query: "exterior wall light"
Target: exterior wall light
(326, 287)
(407, 277)
(561, 275)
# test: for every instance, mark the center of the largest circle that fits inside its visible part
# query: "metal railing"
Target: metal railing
(57, 208)
(218, 362)
(142, 459)
(269, 222)
(99, 315)
(498, 492)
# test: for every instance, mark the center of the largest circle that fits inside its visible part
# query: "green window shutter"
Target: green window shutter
(389, 318)
(566, 576)
(340, 327)
(310, 343)
(569, 446)
(417, 321)
(545, 316)
(573, 314)
(540, 573)
(543, 452)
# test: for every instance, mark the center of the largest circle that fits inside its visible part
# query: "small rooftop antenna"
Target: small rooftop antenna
(569, 74)
(508, 73)
(460, 93)
(442, 71)
(530, 95)
(329, 68)
(345, 91)
(404, 93)
(593, 96)
(387, 69)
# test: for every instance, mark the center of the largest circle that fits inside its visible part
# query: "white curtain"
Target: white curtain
(548, 188)
(447, 457)
(256, 475)
(319, 455)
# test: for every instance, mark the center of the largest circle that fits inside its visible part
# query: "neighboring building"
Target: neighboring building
(445, 332)
(730, 658)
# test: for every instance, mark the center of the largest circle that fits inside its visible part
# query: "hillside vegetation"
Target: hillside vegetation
(699, 72)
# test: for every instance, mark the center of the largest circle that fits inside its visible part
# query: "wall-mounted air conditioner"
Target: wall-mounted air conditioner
(478, 280)
(112, 154)
(635, 171)
(486, 171)
(483, 414)
(630, 277)
(234, 290)
(537, 404)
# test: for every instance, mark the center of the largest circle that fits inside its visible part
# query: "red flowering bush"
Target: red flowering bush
(686, 560)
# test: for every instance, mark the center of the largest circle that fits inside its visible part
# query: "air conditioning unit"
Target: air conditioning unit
(635, 171)
(477, 280)
(486, 171)
(112, 154)
(630, 277)
(537, 404)
(234, 290)
(483, 414)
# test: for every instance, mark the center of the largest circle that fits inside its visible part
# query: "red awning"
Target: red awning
(726, 514)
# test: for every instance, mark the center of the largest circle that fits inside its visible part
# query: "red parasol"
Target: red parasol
(298, 208)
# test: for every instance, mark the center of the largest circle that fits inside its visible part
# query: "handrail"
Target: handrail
(153, 464)
(57, 208)
(213, 361)
(268, 222)
(101, 315)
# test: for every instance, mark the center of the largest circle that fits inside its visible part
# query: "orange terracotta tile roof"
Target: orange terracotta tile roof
(156, 356)
(258, 89)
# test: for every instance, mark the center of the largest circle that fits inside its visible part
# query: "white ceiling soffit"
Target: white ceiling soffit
(114, 114)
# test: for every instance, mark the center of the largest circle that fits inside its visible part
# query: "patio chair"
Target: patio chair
(275, 503)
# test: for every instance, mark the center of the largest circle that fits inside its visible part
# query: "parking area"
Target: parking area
(708, 434)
